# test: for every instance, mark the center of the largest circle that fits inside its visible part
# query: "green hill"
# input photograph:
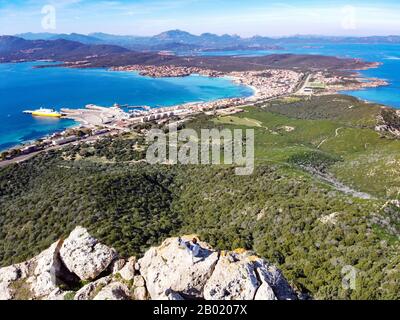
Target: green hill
(286, 211)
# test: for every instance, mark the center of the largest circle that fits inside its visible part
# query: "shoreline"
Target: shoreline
(81, 123)
(264, 85)
(22, 144)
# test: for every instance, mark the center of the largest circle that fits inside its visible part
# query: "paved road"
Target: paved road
(31, 155)
(305, 84)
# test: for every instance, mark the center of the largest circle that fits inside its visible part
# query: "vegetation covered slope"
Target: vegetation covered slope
(284, 211)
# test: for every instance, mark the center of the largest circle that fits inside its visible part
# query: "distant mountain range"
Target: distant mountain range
(177, 40)
(14, 48)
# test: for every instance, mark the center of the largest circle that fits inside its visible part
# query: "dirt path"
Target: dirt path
(336, 135)
(332, 181)
(328, 179)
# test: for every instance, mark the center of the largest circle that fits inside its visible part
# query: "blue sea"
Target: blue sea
(387, 54)
(23, 87)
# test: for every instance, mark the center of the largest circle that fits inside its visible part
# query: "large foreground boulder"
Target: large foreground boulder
(36, 278)
(234, 278)
(241, 275)
(86, 256)
(169, 267)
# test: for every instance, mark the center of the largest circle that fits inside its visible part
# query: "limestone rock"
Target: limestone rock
(58, 294)
(35, 278)
(90, 290)
(5, 291)
(9, 274)
(139, 293)
(117, 265)
(265, 292)
(113, 291)
(139, 288)
(47, 271)
(139, 281)
(234, 278)
(86, 256)
(272, 276)
(167, 272)
(241, 275)
(128, 271)
(170, 266)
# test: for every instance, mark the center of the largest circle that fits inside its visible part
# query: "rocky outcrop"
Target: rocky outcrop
(48, 268)
(170, 267)
(241, 275)
(58, 294)
(139, 289)
(36, 278)
(84, 255)
(388, 121)
(114, 291)
(8, 276)
(89, 291)
(81, 268)
(234, 278)
(272, 282)
(128, 271)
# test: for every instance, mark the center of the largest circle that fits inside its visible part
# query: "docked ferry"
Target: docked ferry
(44, 113)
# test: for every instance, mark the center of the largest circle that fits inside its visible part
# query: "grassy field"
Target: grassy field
(369, 161)
(238, 121)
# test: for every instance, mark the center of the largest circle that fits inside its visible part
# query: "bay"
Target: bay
(24, 87)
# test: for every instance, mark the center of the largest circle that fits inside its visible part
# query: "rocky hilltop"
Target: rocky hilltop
(389, 121)
(81, 268)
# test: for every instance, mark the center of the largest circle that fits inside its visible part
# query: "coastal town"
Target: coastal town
(167, 71)
(96, 122)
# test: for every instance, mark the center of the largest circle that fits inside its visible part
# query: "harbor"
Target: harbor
(94, 121)
(265, 85)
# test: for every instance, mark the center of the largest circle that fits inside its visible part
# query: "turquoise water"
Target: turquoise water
(388, 54)
(23, 87)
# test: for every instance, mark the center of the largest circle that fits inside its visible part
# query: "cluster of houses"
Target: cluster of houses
(54, 140)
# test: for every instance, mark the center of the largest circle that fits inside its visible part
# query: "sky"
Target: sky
(242, 17)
